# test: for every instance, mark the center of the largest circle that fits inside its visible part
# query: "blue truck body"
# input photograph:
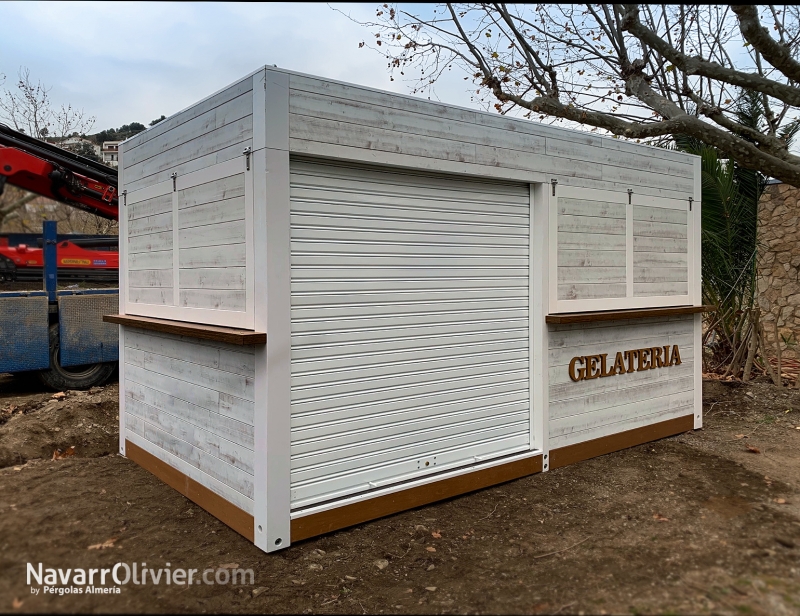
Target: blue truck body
(26, 318)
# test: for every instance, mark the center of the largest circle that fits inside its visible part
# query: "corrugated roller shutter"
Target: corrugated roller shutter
(410, 343)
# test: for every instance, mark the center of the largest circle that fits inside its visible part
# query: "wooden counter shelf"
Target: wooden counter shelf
(230, 335)
(618, 315)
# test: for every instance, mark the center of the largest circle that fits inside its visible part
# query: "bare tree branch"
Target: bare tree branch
(774, 52)
(642, 73)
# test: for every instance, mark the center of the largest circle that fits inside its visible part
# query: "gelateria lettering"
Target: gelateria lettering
(586, 367)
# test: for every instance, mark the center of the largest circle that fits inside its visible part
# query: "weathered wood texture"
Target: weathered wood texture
(212, 215)
(219, 507)
(660, 251)
(595, 408)
(591, 249)
(210, 132)
(150, 279)
(190, 404)
(351, 122)
(188, 211)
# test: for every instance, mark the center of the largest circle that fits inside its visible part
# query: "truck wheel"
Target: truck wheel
(60, 377)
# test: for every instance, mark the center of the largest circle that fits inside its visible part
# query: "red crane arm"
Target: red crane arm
(57, 174)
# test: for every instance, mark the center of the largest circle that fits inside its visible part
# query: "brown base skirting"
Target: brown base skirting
(380, 506)
(622, 440)
(224, 511)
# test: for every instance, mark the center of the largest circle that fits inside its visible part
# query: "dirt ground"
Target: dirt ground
(704, 522)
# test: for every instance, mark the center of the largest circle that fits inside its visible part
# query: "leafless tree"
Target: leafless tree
(27, 108)
(636, 71)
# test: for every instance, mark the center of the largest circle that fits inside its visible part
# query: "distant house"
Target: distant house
(110, 153)
(72, 143)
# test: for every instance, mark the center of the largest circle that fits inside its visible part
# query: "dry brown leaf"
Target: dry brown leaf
(436, 535)
(752, 449)
(430, 548)
(430, 588)
(17, 603)
(660, 518)
(17, 468)
(739, 436)
(108, 543)
(780, 501)
(59, 395)
(59, 455)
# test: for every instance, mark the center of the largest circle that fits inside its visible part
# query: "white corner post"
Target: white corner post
(122, 219)
(697, 292)
(539, 276)
(272, 508)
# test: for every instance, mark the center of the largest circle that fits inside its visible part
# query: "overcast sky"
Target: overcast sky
(131, 62)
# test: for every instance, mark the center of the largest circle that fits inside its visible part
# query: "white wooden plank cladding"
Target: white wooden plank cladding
(208, 133)
(213, 214)
(618, 250)
(188, 214)
(194, 401)
(591, 409)
(588, 225)
(189, 261)
(660, 251)
(326, 117)
(150, 246)
(410, 344)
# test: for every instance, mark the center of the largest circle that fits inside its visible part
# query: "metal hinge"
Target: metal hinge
(553, 183)
(247, 152)
(690, 203)
(630, 194)
(174, 177)
(124, 198)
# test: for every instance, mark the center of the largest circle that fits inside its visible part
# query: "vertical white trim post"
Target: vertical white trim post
(550, 201)
(176, 244)
(629, 248)
(697, 291)
(697, 237)
(272, 310)
(122, 220)
(539, 276)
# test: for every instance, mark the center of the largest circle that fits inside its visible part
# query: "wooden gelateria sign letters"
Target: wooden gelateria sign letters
(585, 367)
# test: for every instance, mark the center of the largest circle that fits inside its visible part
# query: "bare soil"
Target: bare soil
(704, 522)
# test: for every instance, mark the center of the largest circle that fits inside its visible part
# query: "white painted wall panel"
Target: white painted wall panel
(589, 409)
(595, 227)
(352, 122)
(410, 343)
(210, 132)
(660, 251)
(193, 400)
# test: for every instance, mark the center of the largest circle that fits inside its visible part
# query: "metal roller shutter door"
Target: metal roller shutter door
(409, 336)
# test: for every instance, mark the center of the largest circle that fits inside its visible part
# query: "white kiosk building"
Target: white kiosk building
(338, 303)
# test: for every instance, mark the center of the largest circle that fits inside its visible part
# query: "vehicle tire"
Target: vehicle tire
(59, 377)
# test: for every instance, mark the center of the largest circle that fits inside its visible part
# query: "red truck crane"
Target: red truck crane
(61, 175)
(60, 335)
